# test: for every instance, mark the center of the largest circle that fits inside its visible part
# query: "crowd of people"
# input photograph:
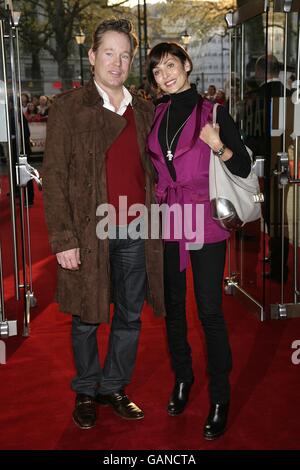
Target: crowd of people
(148, 93)
(36, 108)
(215, 95)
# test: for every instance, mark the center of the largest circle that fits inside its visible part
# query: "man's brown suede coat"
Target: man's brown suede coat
(79, 132)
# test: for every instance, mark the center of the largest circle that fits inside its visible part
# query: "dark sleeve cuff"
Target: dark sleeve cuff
(240, 163)
(60, 244)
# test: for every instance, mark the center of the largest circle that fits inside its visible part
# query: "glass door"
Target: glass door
(264, 255)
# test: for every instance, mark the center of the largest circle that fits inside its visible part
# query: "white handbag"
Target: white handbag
(234, 200)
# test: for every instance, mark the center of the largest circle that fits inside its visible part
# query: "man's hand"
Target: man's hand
(69, 259)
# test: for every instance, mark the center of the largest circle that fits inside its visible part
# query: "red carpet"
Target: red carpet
(36, 400)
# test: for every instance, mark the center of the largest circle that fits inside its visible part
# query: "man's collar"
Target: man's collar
(91, 95)
(274, 79)
(269, 80)
(125, 102)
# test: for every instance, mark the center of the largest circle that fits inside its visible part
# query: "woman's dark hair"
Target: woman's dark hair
(120, 26)
(159, 52)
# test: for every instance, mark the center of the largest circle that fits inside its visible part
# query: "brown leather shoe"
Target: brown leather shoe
(121, 405)
(85, 413)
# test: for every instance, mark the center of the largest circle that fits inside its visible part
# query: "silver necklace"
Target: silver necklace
(170, 155)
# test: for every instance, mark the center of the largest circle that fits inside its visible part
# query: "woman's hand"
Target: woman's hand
(210, 135)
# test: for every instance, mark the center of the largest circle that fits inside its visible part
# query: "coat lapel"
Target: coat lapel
(110, 123)
(153, 142)
(143, 120)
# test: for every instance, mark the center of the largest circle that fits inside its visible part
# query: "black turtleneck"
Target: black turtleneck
(182, 105)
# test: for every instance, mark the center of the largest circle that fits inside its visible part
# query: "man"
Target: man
(271, 88)
(94, 154)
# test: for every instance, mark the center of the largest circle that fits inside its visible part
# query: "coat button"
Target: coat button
(89, 250)
(89, 185)
(88, 219)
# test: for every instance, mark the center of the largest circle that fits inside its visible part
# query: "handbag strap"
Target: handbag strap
(214, 116)
(212, 155)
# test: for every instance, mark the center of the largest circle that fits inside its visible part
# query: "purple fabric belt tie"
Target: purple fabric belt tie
(181, 193)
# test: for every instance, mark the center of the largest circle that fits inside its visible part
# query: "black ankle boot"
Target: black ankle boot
(216, 421)
(179, 397)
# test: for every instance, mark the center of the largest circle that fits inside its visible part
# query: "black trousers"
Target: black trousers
(127, 260)
(208, 268)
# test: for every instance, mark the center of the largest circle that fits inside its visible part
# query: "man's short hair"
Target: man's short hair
(272, 64)
(120, 26)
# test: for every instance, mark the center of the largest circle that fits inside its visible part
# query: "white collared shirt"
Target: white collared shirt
(107, 104)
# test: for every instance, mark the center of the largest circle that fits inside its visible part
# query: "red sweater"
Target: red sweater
(124, 169)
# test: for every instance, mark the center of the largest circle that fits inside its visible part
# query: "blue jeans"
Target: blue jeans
(128, 272)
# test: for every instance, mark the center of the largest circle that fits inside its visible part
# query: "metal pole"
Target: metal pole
(283, 190)
(242, 73)
(285, 79)
(24, 262)
(145, 31)
(11, 170)
(222, 61)
(2, 311)
(296, 192)
(23, 150)
(81, 65)
(18, 148)
(230, 68)
(140, 42)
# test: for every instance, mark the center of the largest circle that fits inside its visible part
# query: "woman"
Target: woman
(181, 160)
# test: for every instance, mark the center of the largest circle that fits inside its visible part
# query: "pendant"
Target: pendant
(169, 155)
